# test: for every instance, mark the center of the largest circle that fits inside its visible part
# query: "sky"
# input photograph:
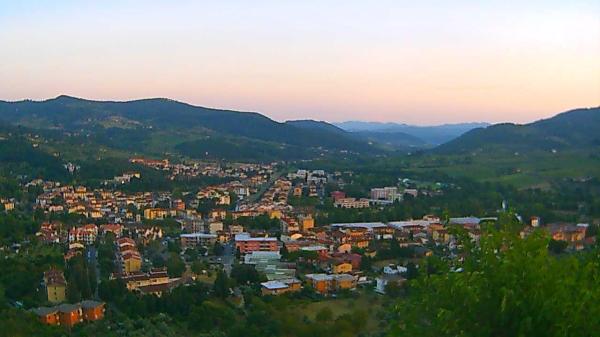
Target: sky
(419, 62)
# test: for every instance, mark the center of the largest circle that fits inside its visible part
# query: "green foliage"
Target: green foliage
(324, 315)
(211, 315)
(175, 265)
(16, 323)
(557, 246)
(244, 274)
(222, 285)
(79, 283)
(571, 129)
(17, 155)
(15, 227)
(144, 125)
(263, 222)
(22, 273)
(508, 287)
(218, 249)
(303, 201)
(106, 255)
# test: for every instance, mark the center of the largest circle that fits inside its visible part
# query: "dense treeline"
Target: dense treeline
(567, 201)
(506, 286)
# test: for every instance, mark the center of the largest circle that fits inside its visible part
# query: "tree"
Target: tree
(222, 285)
(92, 277)
(284, 252)
(198, 266)
(366, 264)
(411, 271)
(393, 289)
(192, 254)
(175, 266)
(324, 315)
(158, 261)
(507, 286)
(218, 249)
(592, 230)
(557, 246)
(210, 315)
(245, 274)
(73, 291)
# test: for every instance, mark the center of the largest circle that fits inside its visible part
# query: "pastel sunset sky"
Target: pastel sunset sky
(420, 62)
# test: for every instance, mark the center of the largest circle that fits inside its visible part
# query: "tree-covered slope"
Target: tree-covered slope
(136, 125)
(572, 130)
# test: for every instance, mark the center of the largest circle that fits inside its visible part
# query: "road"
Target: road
(228, 257)
(92, 257)
(256, 196)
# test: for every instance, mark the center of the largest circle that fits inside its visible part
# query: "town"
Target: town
(265, 226)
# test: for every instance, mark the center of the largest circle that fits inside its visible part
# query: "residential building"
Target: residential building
(155, 213)
(278, 287)
(351, 203)
(92, 310)
(128, 257)
(193, 240)
(116, 229)
(385, 193)
(336, 195)
(340, 267)
(56, 285)
(86, 234)
(154, 282)
(47, 315)
(326, 283)
(246, 243)
(70, 314)
(307, 222)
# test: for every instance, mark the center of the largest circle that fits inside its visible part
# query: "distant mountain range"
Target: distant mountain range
(158, 126)
(412, 135)
(155, 125)
(572, 130)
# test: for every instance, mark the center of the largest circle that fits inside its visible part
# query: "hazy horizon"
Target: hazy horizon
(300, 118)
(426, 63)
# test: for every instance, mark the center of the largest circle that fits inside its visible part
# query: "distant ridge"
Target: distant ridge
(429, 135)
(187, 128)
(574, 129)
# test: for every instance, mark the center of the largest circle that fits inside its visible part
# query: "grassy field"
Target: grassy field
(368, 302)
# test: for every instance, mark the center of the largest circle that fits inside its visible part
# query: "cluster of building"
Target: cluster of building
(575, 235)
(7, 204)
(330, 251)
(68, 315)
(193, 168)
(112, 205)
(65, 314)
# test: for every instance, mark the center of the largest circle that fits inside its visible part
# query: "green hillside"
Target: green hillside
(163, 125)
(572, 130)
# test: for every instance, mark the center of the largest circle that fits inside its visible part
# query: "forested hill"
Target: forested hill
(572, 130)
(138, 124)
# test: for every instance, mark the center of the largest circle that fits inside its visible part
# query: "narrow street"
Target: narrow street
(92, 257)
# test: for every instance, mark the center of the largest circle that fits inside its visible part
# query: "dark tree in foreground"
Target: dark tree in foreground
(508, 286)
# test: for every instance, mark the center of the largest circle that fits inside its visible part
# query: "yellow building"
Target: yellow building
(131, 262)
(275, 214)
(345, 281)
(341, 268)
(307, 223)
(9, 206)
(56, 286)
(155, 213)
